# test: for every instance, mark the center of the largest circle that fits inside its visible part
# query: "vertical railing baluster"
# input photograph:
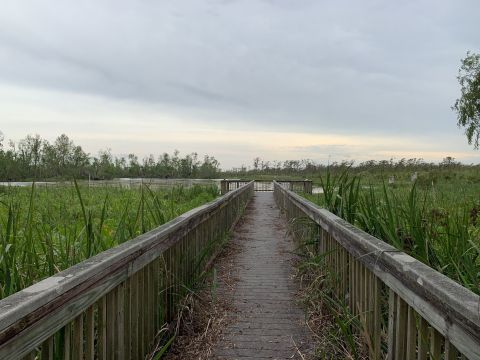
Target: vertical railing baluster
(145, 309)
(90, 333)
(392, 314)
(400, 330)
(67, 334)
(47, 349)
(451, 352)
(102, 328)
(377, 316)
(120, 322)
(135, 347)
(111, 314)
(436, 341)
(411, 334)
(128, 318)
(141, 307)
(77, 338)
(31, 356)
(423, 339)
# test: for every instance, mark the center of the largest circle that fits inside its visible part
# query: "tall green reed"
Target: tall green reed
(437, 225)
(45, 230)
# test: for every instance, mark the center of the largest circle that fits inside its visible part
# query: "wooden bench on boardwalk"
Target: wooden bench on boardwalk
(111, 305)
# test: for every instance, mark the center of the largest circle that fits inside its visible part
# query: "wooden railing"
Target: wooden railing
(406, 309)
(112, 305)
(305, 186)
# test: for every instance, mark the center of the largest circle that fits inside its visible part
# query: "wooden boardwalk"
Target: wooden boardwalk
(266, 322)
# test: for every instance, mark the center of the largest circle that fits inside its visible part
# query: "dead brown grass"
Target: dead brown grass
(329, 321)
(204, 313)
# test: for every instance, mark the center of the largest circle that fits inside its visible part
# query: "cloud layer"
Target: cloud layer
(351, 68)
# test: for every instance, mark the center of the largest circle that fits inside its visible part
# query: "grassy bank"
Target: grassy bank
(45, 230)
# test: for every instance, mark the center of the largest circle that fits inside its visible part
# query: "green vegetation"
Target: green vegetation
(371, 170)
(468, 105)
(45, 230)
(328, 317)
(36, 158)
(435, 220)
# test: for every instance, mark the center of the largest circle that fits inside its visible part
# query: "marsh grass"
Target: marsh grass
(329, 318)
(45, 230)
(437, 224)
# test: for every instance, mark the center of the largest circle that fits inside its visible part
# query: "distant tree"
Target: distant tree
(449, 162)
(256, 162)
(209, 169)
(105, 166)
(29, 155)
(133, 165)
(468, 105)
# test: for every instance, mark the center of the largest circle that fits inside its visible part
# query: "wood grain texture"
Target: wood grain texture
(265, 320)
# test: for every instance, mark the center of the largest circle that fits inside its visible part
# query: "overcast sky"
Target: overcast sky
(279, 79)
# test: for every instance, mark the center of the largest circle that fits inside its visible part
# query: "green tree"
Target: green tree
(209, 169)
(468, 105)
(29, 155)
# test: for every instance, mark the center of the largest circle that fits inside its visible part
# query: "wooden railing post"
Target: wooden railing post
(223, 186)
(307, 187)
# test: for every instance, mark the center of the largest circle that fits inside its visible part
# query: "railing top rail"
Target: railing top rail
(99, 273)
(451, 308)
(264, 180)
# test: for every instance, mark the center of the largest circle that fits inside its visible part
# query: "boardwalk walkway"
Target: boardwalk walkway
(266, 323)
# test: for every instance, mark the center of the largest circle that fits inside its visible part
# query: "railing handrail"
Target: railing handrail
(449, 307)
(264, 180)
(266, 185)
(92, 278)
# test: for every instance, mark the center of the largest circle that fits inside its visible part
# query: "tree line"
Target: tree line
(36, 158)
(310, 168)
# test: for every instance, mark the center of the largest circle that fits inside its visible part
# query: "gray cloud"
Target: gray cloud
(343, 66)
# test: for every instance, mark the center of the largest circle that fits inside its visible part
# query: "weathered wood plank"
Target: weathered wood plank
(128, 318)
(134, 314)
(401, 329)
(392, 313)
(377, 319)
(30, 356)
(435, 344)
(111, 328)
(423, 339)
(67, 334)
(47, 349)
(90, 333)
(411, 334)
(141, 314)
(102, 328)
(450, 352)
(77, 338)
(120, 323)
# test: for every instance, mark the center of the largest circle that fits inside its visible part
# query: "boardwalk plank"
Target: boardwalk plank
(267, 321)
